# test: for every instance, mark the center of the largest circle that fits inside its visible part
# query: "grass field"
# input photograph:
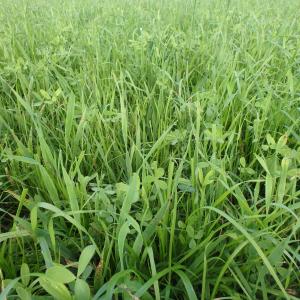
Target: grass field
(149, 149)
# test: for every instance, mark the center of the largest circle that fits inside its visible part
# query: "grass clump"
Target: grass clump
(149, 149)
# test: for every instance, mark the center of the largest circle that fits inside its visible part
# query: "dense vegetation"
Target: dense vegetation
(150, 149)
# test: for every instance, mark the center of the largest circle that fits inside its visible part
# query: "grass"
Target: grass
(149, 149)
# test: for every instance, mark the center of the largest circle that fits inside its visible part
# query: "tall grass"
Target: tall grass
(149, 149)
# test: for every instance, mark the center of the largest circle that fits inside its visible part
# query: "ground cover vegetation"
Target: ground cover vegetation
(149, 149)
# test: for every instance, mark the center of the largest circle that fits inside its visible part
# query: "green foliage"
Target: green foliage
(149, 149)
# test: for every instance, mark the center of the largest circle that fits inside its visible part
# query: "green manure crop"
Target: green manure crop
(149, 149)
